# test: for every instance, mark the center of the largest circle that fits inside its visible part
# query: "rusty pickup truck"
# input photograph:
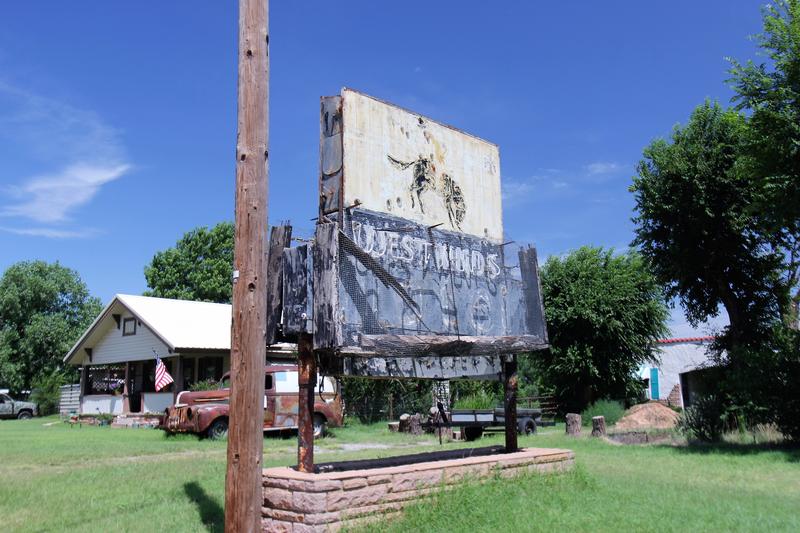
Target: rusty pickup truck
(206, 412)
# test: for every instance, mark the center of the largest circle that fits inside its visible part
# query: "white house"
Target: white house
(117, 353)
(679, 359)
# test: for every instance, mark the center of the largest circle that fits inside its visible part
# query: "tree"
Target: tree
(199, 267)
(604, 314)
(772, 94)
(696, 226)
(44, 308)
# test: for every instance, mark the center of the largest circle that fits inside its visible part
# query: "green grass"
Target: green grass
(57, 478)
(729, 487)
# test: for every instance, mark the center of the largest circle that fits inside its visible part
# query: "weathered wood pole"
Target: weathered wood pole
(510, 380)
(243, 496)
(598, 426)
(573, 424)
(307, 381)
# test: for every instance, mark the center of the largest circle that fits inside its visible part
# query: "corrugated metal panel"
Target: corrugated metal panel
(70, 401)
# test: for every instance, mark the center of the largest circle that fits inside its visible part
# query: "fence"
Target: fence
(70, 399)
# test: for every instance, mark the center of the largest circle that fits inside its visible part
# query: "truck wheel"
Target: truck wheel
(526, 426)
(24, 415)
(471, 433)
(319, 426)
(218, 429)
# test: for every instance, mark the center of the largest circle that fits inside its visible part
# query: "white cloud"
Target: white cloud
(51, 233)
(602, 168)
(83, 150)
(51, 198)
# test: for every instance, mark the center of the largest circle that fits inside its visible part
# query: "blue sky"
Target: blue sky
(117, 120)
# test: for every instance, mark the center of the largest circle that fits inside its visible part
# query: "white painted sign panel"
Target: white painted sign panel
(406, 165)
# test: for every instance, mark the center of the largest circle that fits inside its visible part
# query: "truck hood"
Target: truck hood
(202, 397)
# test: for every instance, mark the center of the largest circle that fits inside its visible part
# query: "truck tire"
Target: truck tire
(526, 426)
(319, 425)
(218, 429)
(24, 415)
(472, 432)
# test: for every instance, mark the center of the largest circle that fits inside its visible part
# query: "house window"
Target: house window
(209, 368)
(128, 327)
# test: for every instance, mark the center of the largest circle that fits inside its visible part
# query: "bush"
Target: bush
(206, 384)
(481, 399)
(704, 420)
(46, 392)
(612, 410)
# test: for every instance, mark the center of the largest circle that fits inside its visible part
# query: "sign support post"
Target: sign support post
(307, 379)
(243, 493)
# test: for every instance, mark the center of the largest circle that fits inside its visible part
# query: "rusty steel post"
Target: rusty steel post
(307, 381)
(510, 381)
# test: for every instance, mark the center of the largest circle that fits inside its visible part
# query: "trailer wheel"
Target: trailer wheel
(526, 426)
(218, 429)
(472, 432)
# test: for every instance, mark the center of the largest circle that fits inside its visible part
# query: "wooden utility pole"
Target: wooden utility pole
(243, 496)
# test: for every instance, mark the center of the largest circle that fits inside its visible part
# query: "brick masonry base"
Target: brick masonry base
(298, 502)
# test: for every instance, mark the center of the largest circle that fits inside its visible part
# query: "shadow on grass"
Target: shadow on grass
(791, 453)
(211, 513)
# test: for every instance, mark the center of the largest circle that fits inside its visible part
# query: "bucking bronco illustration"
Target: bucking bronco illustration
(424, 179)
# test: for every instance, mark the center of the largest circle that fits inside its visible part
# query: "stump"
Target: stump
(410, 424)
(573, 424)
(598, 426)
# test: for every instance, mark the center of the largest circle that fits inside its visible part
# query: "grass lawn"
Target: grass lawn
(57, 478)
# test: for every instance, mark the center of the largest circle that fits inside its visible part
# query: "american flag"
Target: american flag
(162, 376)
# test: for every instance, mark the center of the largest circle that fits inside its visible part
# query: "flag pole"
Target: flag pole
(243, 498)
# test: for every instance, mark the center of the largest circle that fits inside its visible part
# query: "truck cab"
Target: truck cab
(16, 409)
(206, 412)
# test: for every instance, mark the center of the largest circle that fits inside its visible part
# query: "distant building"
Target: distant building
(117, 353)
(682, 371)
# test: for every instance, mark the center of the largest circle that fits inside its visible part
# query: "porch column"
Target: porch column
(126, 402)
(178, 386)
(84, 383)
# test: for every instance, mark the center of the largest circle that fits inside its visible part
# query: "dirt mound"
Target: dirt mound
(651, 415)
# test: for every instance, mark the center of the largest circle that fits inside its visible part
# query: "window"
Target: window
(3, 398)
(129, 327)
(209, 368)
(268, 382)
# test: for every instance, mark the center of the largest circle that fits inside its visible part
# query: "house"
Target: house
(117, 353)
(681, 372)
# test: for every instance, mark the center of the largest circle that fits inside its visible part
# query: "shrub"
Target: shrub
(612, 410)
(704, 420)
(206, 384)
(480, 399)
(46, 392)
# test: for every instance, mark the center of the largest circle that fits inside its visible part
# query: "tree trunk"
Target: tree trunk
(598, 426)
(573, 424)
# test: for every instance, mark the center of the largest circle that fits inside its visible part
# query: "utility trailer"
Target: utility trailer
(473, 422)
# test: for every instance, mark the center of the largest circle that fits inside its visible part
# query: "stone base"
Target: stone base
(298, 502)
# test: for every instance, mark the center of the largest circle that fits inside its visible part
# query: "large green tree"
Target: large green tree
(604, 313)
(199, 267)
(44, 308)
(771, 93)
(696, 225)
